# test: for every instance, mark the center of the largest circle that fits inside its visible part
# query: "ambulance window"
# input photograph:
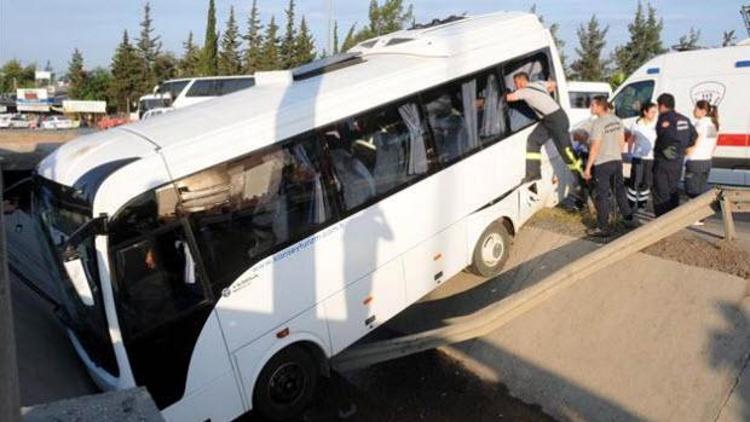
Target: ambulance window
(629, 100)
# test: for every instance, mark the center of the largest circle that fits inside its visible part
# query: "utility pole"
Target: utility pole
(9, 395)
(330, 27)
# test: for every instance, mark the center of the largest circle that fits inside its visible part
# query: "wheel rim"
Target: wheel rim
(287, 384)
(492, 249)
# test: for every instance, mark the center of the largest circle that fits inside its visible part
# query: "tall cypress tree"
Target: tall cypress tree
(191, 56)
(336, 48)
(350, 40)
(554, 30)
(269, 57)
(76, 75)
(209, 56)
(288, 44)
(149, 47)
(254, 39)
(644, 43)
(590, 66)
(389, 17)
(127, 74)
(304, 45)
(230, 57)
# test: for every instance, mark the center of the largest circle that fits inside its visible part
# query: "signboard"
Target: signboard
(41, 75)
(32, 99)
(76, 106)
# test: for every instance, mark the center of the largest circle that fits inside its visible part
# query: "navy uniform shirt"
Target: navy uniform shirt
(674, 134)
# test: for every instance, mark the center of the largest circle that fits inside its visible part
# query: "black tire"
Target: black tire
(286, 385)
(492, 250)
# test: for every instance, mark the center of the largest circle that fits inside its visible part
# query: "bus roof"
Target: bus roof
(709, 61)
(224, 128)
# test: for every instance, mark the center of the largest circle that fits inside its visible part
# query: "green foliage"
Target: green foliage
(688, 41)
(270, 59)
(14, 75)
(644, 43)
(76, 75)
(590, 66)
(304, 45)
(288, 47)
(127, 76)
(254, 39)
(166, 66)
(191, 56)
(384, 19)
(149, 47)
(230, 57)
(96, 85)
(209, 57)
(336, 48)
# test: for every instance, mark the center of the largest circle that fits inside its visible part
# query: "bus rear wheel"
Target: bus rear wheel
(286, 385)
(492, 250)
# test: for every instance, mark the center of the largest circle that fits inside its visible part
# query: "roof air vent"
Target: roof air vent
(327, 65)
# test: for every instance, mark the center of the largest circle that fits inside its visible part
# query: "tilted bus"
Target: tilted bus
(719, 75)
(221, 254)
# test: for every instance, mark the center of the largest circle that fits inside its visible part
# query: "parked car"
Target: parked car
(19, 121)
(5, 120)
(112, 121)
(58, 122)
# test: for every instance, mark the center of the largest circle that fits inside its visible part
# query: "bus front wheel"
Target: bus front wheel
(286, 385)
(492, 250)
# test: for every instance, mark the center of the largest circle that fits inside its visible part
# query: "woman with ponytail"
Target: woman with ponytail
(698, 165)
(641, 139)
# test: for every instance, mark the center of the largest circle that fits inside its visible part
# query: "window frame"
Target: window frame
(650, 82)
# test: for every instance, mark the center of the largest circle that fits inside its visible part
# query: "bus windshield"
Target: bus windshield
(60, 211)
(174, 88)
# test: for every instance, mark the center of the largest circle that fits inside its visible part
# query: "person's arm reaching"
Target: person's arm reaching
(551, 86)
(512, 97)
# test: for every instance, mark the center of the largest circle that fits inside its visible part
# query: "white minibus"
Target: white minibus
(719, 75)
(581, 93)
(221, 254)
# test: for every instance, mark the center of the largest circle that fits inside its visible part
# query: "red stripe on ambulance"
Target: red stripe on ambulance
(732, 140)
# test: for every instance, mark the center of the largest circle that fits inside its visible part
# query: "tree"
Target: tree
(209, 57)
(254, 39)
(76, 75)
(269, 57)
(688, 41)
(554, 30)
(590, 66)
(127, 75)
(336, 49)
(644, 43)
(166, 66)
(96, 85)
(288, 44)
(230, 57)
(390, 17)
(188, 65)
(729, 38)
(149, 47)
(304, 45)
(14, 75)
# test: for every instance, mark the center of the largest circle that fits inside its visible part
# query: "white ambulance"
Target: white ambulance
(719, 75)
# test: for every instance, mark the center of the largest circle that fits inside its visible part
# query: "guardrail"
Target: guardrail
(733, 200)
(500, 313)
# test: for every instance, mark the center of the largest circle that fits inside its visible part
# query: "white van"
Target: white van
(581, 93)
(228, 250)
(177, 93)
(719, 75)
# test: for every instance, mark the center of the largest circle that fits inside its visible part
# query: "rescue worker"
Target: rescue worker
(674, 135)
(554, 124)
(604, 166)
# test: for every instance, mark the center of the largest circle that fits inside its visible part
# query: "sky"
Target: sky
(42, 30)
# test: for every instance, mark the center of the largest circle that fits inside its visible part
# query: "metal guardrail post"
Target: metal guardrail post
(730, 233)
(9, 394)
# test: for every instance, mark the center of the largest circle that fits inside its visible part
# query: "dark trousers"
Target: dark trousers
(696, 177)
(667, 175)
(641, 180)
(608, 177)
(555, 126)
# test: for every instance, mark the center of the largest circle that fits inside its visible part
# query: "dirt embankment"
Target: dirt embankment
(685, 246)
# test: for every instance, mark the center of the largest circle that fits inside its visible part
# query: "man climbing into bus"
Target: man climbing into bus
(554, 124)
